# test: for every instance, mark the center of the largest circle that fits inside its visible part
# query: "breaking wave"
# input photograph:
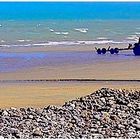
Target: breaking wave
(82, 30)
(133, 37)
(68, 43)
(22, 40)
(61, 33)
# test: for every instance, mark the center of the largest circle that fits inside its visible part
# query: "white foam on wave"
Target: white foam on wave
(57, 33)
(16, 45)
(96, 42)
(22, 40)
(51, 30)
(132, 37)
(102, 38)
(69, 43)
(82, 30)
(137, 33)
(64, 33)
(38, 25)
(61, 33)
(2, 41)
(107, 29)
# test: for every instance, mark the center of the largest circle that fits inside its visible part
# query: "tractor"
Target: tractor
(135, 47)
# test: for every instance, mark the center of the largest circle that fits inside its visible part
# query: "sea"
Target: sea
(54, 24)
(68, 23)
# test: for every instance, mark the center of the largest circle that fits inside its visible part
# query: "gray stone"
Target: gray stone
(98, 116)
(137, 126)
(5, 113)
(37, 132)
(103, 100)
(31, 116)
(1, 137)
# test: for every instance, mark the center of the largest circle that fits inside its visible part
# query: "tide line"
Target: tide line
(69, 80)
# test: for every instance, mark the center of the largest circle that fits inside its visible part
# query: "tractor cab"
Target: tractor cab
(136, 49)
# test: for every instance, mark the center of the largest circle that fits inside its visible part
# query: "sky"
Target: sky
(69, 10)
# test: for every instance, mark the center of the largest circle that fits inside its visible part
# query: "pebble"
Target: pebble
(37, 132)
(5, 113)
(97, 117)
(31, 116)
(13, 108)
(1, 137)
(106, 113)
(137, 126)
(103, 100)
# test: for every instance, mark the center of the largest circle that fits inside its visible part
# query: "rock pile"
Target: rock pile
(106, 113)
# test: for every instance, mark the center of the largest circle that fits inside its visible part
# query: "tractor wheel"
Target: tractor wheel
(116, 50)
(99, 51)
(103, 50)
(112, 51)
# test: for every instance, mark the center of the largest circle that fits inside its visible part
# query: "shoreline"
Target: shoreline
(58, 48)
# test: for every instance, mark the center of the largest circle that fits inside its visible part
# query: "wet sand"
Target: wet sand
(61, 63)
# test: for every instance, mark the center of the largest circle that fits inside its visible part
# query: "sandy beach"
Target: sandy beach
(62, 63)
(44, 94)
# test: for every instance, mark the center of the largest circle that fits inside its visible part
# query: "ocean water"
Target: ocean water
(67, 32)
(52, 24)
